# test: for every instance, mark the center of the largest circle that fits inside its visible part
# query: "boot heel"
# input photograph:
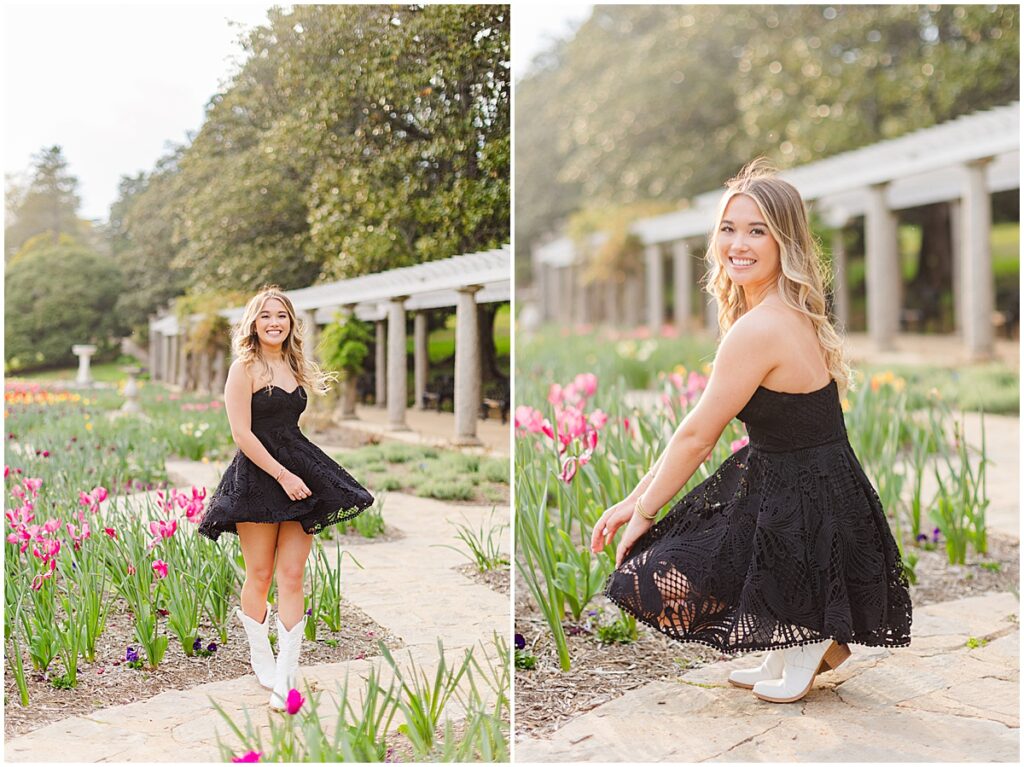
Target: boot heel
(834, 656)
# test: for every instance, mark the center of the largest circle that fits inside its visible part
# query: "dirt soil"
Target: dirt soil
(497, 580)
(110, 682)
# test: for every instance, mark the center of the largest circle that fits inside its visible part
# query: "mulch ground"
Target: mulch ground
(497, 580)
(109, 682)
(547, 698)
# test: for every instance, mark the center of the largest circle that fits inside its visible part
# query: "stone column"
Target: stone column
(421, 360)
(380, 360)
(220, 371)
(467, 366)
(882, 270)
(84, 352)
(154, 353)
(311, 335)
(397, 365)
(565, 296)
(167, 355)
(183, 356)
(840, 288)
(655, 288)
(976, 261)
(632, 300)
(204, 365)
(956, 246)
(682, 284)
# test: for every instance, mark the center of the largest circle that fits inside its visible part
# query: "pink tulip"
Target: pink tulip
(163, 529)
(51, 525)
(99, 494)
(131, 570)
(568, 469)
(587, 383)
(555, 395)
(591, 440)
(739, 444)
(160, 568)
(547, 429)
(32, 484)
(111, 532)
(294, 701)
(251, 756)
(598, 419)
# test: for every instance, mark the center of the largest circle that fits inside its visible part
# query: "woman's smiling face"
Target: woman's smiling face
(272, 323)
(746, 248)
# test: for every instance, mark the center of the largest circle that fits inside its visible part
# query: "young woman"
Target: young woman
(280, 489)
(786, 547)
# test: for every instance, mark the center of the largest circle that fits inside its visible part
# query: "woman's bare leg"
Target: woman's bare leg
(259, 542)
(293, 545)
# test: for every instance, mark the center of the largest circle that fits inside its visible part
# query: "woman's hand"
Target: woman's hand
(637, 526)
(613, 518)
(293, 486)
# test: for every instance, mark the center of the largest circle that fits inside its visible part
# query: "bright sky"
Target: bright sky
(112, 85)
(535, 26)
(115, 85)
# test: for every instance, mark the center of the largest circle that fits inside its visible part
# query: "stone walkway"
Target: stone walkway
(428, 427)
(408, 585)
(937, 700)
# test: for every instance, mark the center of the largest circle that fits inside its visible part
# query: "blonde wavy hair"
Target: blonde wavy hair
(246, 345)
(802, 280)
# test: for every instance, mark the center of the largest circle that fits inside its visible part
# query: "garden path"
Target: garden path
(409, 585)
(937, 700)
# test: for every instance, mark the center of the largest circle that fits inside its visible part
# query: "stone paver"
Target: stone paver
(408, 585)
(937, 700)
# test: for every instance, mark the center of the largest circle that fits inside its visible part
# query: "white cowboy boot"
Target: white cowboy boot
(286, 678)
(771, 668)
(261, 656)
(800, 666)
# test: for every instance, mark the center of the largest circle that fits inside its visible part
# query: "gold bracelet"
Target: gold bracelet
(639, 509)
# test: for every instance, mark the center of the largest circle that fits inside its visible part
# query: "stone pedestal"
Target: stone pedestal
(380, 361)
(976, 261)
(467, 366)
(84, 352)
(421, 359)
(397, 393)
(882, 270)
(131, 391)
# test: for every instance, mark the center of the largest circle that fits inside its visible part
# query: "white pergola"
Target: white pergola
(961, 162)
(384, 298)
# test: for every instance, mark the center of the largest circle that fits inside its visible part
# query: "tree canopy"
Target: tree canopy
(353, 139)
(47, 205)
(665, 102)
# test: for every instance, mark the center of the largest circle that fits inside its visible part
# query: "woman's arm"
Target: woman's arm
(746, 355)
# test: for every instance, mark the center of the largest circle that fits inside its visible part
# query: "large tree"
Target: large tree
(354, 139)
(48, 204)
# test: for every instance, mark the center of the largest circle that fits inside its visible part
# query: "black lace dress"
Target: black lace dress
(246, 493)
(785, 544)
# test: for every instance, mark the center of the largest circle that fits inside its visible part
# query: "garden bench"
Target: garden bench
(439, 390)
(496, 397)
